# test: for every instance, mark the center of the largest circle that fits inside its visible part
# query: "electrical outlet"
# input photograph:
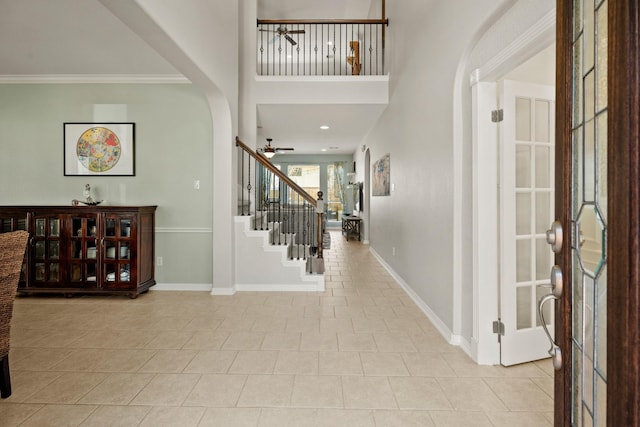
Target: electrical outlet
(196, 184)
(159, 261)
(393, 251)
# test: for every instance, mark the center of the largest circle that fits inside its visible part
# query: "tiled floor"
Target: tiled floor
(359, 354)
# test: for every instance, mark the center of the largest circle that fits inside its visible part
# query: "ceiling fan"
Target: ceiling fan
(268, 151)
(283, 31)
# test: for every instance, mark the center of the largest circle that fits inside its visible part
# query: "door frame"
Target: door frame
(623, 188)
(485, 348)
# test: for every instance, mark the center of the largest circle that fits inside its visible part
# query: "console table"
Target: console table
(351, 226)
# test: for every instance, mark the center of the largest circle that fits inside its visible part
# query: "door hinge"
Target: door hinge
(498, 327)
(497, 115)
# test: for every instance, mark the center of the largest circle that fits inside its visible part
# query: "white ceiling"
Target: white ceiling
(81, 37)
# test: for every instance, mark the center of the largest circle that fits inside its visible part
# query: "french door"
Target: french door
(597, 235)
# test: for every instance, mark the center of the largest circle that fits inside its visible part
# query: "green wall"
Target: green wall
(173, 148)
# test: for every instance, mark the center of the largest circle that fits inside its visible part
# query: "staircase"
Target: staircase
(277, 239)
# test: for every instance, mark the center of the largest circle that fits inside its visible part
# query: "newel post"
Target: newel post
(320, 212)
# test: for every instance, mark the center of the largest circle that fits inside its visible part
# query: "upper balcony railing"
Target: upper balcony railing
(321, 47)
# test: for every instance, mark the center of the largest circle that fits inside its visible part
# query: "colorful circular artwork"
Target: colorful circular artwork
(98, 149)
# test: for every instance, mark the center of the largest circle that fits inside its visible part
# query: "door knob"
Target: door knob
(556, 281)
(554, 236)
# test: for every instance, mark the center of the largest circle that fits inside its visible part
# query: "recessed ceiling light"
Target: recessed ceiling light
(324, 127)
(323, 149)
(334, 148)
(329, 42)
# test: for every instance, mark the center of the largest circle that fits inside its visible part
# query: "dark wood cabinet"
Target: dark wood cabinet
(85, 249)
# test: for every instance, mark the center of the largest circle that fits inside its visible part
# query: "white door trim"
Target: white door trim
(485, 349)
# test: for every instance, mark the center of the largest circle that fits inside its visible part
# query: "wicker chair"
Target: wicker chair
(12, 248)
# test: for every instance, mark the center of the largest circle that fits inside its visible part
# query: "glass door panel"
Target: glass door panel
(45, 250)
(116, 251)
(83, 250)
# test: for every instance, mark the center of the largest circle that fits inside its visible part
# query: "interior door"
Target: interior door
(526, 210)
(597, 235)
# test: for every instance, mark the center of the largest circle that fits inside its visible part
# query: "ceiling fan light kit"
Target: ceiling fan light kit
(282, 31)
(268, 151)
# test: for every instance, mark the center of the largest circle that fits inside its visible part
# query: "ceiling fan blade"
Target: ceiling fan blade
(284, 149)
(290, 40)
(266, 31)
(295, 31)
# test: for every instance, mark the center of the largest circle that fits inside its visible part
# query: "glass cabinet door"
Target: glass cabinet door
(117, 251)
(83, 257)
(45, 251)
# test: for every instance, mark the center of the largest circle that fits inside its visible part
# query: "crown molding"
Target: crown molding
(94, 78)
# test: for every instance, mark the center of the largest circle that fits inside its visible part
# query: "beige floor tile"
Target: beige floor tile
(458, 419)
(166, 390)
(207, 340)
(427, 365)
(170, 340)
(349, 312)
(281, 341)
(36, 359)
(320, 312)
(287, 417)
(116, 339)
(211, 362)
(117, 389)
(25, 383)
(254, 362)
(518, 419)
(520, 394)
(315, 341)
(59, 415)
(419, 393)
(340, 363)
(546, 384)
(366, 325)
(60, 339)
(336, 325)
(304, 325)
(105, 360)
(243, 341)
(173, 416)
(216, 391)
(403, 418)
(13, 414)
(230, 417)
(470, 394)
(356, 342)
(266, 391)
(203, 323)
(344, 418)
(433, 343)
(297, 362)
(269, 324)
(383, 364)
(168, 361)
(116, 416)
(367, 393)
(312, 391)
(67, 388)
(394, 342)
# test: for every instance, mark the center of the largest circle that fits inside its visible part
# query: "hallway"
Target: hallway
(359, 354)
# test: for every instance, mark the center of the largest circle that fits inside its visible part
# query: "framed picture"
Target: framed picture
(381, 179)
(99, 149)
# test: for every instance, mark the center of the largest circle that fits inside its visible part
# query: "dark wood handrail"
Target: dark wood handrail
(322, 21)
(267, 164)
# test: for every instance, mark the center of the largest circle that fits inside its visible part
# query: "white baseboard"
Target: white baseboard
(257, 287)
(451, 338)
(181, 287)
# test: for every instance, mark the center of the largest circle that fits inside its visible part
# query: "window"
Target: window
(335, 191)
(307, 177)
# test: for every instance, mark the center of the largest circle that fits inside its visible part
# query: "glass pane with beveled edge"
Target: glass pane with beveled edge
(577, 299)
(523, 119)
(601, 57)
(601, 322)
(40, 249)
(590, 161)
(54, 249)
(76, 273)
(576, 382)
(543, 211)
(523, 213)
(589, 317)
(40, 224)
(523, 260)
(591, 240)
(587, 391)
(601, 167)
(589, 33)
(576, 171)
(39, 271)
(576, 105)
(601, 402)
(589, 96)
(110, 227)
(523, 307)
(523, 166)
(543, 259)
(577, 19)
(547, 310)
